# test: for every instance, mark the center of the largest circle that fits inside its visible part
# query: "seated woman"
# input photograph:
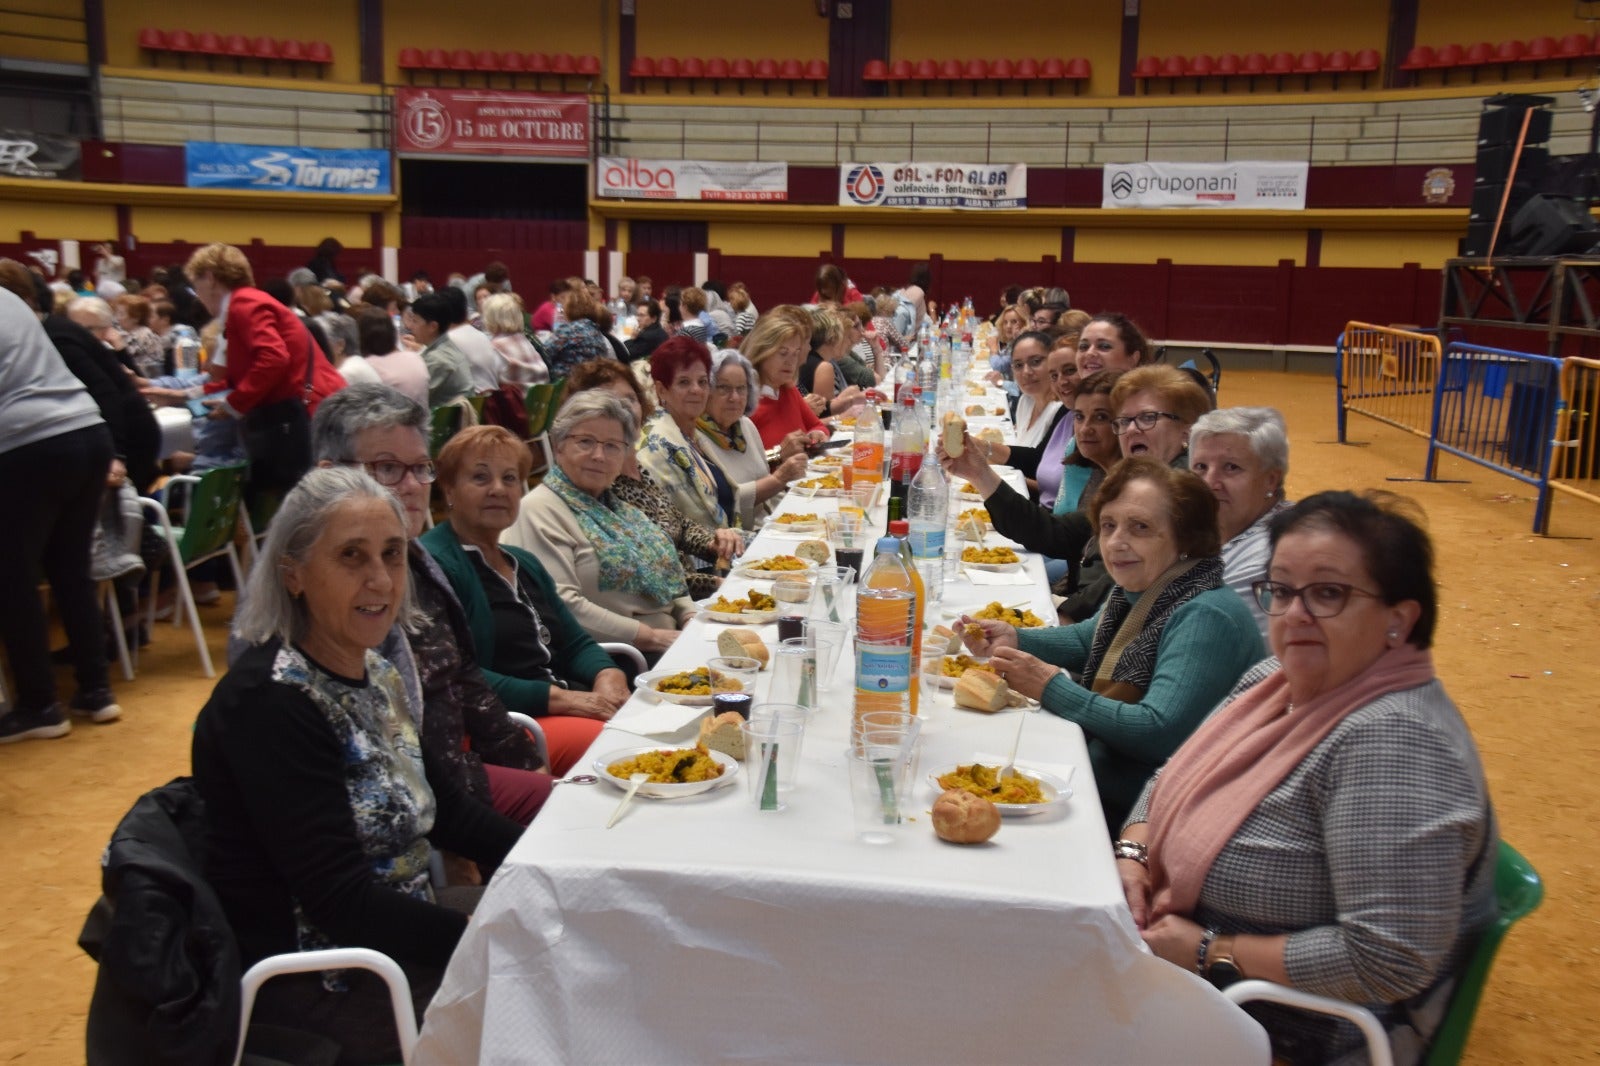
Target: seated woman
(1155, 407)
(1242, 454)
(699, 546)
(727, 435)
(1328, 827)
(1111, 341)
(669, 451)
(775, 347)
(578, 338)
(1169, 642)
(319, 809)
(862, 360)
(1037, 410)
(504, 320)
(537, 658)
(613, 568)
(1061, 374)
(824, 386)
(382, 361)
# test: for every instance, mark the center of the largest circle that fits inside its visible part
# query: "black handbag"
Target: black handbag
(277, 436)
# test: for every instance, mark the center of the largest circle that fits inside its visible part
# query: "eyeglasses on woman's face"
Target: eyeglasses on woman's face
(726, 391)
(611, 449)
(390, 472)
(1145, 420)
(1321, 599)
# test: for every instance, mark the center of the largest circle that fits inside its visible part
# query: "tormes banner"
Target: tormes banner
(487, 122)
(1248, 186)
(209, 165)
(960, 185)
(687, 179)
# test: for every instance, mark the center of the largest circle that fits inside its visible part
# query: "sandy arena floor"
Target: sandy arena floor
(1516, 647)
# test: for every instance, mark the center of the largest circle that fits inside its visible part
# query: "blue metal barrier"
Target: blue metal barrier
(1497, 408)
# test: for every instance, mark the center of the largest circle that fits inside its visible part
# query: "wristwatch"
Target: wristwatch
(1222, 969)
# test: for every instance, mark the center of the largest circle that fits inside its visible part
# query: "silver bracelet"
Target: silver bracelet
(1136, 850)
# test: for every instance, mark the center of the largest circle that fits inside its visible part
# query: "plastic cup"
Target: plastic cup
(833, 601)
(875, 794)
(794, 673)
(829, 638)
(783, 710)
(772, 758)
(736, 668)
(931, 674)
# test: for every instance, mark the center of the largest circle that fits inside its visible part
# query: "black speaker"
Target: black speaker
(1494, 163)
(1486, 202)
(1501, 125)
(1551, 225)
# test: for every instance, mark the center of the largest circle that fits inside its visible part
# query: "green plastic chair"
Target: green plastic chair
(542, 402)
(207, 532)
(446, 424)
(1517, 890)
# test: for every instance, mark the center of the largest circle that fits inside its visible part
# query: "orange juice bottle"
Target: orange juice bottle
(888, 633)
(866, 454)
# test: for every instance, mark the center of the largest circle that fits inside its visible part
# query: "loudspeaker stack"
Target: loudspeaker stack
(1500, 167)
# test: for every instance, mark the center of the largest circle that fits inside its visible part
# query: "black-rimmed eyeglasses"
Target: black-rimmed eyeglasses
(1146, 421)
(1322, 599)
(390, 472)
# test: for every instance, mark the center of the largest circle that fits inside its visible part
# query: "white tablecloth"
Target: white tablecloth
(703, 930)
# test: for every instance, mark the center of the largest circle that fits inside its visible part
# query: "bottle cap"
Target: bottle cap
(888, 544)
(897, 529)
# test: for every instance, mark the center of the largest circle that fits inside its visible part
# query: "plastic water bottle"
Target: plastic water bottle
(928, 375)
(909, 439)
(185, 350)
(928, 514)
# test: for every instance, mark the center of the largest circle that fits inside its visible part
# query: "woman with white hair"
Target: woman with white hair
(520, 361)
(1242, 454)
(319, 810)
(614, 569)
(732, 441)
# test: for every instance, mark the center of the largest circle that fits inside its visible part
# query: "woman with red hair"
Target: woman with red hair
(669, 451)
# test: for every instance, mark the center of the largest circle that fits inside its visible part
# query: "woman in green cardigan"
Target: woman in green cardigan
(536, 657)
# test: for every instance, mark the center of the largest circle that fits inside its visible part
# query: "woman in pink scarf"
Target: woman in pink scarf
(1328, 827)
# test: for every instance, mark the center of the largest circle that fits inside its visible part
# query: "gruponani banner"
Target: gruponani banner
(1241, 186)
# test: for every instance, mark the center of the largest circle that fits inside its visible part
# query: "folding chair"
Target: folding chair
(207, 532)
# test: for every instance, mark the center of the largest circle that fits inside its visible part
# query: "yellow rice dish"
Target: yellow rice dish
(677, 767)
(826, 481)
(807, 519)
(696, 682)
(776, 563)
(980, 781)
(753, 601)
(996, 556)
(956, 665)
(1009, 615)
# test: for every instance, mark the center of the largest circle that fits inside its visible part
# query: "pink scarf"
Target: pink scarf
(1242, 752)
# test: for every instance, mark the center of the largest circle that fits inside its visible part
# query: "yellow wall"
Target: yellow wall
(1210, 247)
(1181, 27)
(740, 238)
(767, 29)
(1451, 22)
(952, 242)
(1041, 29)
(26, 22)
(198, 225)
(57, 222)
(333, 21)
(1380, 248)
(525, 26)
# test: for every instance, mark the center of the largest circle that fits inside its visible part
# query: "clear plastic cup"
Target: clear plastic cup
(772, 758)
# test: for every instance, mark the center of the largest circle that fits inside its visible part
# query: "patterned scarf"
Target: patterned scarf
(635, 554)
(1133, 655)
(731, 439)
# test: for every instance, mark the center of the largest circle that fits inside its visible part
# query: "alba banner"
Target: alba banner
(1241, 186)
(966, 186)
(687, 179)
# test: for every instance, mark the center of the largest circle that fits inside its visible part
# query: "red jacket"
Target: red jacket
(776, 419)
(268, 347)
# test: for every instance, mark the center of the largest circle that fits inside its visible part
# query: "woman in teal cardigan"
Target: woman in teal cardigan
(1170, 642)
(533, 653)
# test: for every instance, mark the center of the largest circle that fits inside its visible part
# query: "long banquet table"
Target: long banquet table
(702, 930)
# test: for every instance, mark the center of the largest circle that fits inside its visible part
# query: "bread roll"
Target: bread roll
(981, 690)
(723, 733)
(952, 639)
(743, 642)
(962, 818)
(817, 551)
(991, 434)
(955, 434)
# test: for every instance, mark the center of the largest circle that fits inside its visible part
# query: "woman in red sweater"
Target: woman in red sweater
(780, 340)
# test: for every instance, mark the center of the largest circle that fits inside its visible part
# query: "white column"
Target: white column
(390, 268)
(591, 264)
(702, 267)
(69, 256)
(614, 272)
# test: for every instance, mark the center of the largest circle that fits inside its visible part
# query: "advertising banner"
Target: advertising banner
(210, 165)
(960, 185)
(1240, 186)
(38, 155)
(492, 123)
(688, 179)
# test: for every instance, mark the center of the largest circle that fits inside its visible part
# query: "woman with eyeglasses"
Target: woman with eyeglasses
(535, 655)
(613, 568)
(1169, 642)
(1328, 827)
(669, 451)
(727, 435)
(775, 347)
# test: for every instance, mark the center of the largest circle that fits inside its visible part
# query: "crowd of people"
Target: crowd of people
(1291, 793)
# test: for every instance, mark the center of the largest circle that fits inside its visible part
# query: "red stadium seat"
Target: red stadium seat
(900, 72)
(1451, 55)
(265, 51)
(1308, 63)
(1051, 71)
(181, 42)
(741, 71)
(1255, 64)
(1173, 67)
(563, 65)
(975, 71)
(209, 45)
(694, 69)
(589, 66)
(1336, 62)
(927, 72)
(461, 63)
(1572, 46)
(816, 72)
(1002, 70)
(513, 64)
(486, 62)
(320, 54)
(292, 53)
(410, 59)
(237, 48)
(667, 68)
(717, 69)
(153, 41)
(1366, 61)
(791, 71)
(1419, 58)
(766, 73)
(1541, 48)
(875, 70)
(1228, 65)
(641, 69)
(1478, 55)
(1027, 72)
(1148, 67)
(1078, 73)
(1507, 53)
(1200, 66)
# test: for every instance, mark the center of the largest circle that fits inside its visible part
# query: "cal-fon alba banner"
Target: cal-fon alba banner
(1244, 185)
(966, 186)
(687, 179)
(490, 122)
